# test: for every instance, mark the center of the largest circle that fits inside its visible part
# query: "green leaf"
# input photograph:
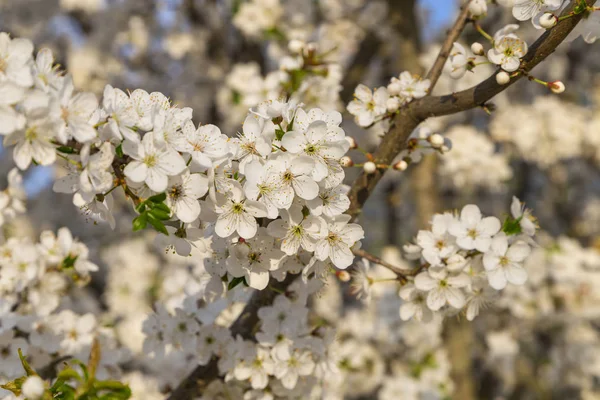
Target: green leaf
(119, 150)
(117, 390)
(140, 222)
(30, 371)
(141, 207)
(14, 386)
(158, 198)
(163, 207)
(235, 281)
(236, 97)
(279, 134)
(65, 149)
(69, 262)
(511, 226)
(159, 214)
(94, 360)
(157, 224)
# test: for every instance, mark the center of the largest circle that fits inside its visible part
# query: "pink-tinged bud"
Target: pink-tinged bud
(343, 276)
(548, 20)
(556, 87)
(400, 165)
(436, 140)
(352, 142)
(369, 167)
(502, 78)
(346, 161)
(477, 49)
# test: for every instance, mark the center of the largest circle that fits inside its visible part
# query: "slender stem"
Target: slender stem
(403, 273)
(436, 70)
(483, 32)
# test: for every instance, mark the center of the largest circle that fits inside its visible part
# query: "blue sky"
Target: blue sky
(441, 12)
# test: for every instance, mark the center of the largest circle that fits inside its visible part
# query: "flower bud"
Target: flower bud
(33, 388)
(369, 167)
(556, 87)
(394, 88)
(346, 161)
(343, 276)
(436, 140)
(502, 78)
(477, 7)
(296, 46)
(548, 20)
(400, 165)
(477, 49)
(352, 142)
(393, 104)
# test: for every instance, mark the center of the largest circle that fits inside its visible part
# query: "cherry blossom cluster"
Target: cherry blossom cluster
(465, 259)
(289, 356)
(369, 106)
(38, 273)
(35, 314)
(305, 74)
(12, 199)
(283, 168)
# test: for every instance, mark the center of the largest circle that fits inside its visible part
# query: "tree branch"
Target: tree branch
(409, 117)
(438, 66)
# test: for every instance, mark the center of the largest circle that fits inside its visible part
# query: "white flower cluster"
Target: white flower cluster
(256, 18)
(12, 199)
(285, 162)
(290, 355)
(537, 134)
(473, 161)
(37, 272)
(466, 259)
(369, 107)
(34, 278)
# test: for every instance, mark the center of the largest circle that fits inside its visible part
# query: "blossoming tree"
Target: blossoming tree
(235, 256)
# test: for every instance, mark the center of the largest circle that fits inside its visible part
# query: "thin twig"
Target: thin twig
(404, 273)
(438, 66)
(409, 117)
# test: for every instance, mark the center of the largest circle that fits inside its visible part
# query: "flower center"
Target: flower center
(150, 160)
(472, 233)
(238, 208)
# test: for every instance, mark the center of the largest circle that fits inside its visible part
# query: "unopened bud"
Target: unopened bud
(502, 78)
(394, 88)
(296, 46)
(346, 161)
(548, 20)
(477, 49)
(436, 140)
(556, 87)
(343, 276)
(477, 7)
(33, 388)
(369, 167)
(352, 142)
(310, 49)
(400, 165)
(393, 104)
